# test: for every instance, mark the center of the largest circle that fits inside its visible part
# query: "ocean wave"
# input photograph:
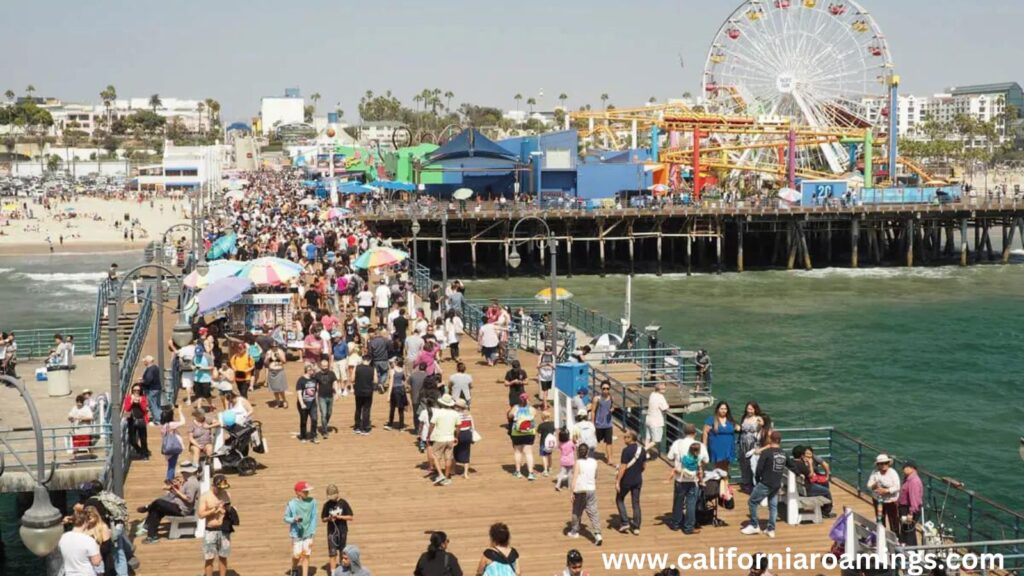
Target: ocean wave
(878, 273)
(5, 270)
(64, 276)
(80, 287)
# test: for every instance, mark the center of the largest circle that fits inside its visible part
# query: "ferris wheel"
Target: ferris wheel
(821, 63)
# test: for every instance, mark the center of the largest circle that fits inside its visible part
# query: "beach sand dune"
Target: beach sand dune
(92, 228)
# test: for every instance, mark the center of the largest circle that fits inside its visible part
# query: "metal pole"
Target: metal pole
(116, 457)
(160, 331)
(553, 247)
(444, 250)
(37, 427)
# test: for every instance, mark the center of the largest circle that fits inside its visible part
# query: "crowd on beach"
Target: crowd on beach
(362, 333)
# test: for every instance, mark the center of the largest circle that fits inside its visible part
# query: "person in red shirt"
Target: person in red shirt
(136, 409)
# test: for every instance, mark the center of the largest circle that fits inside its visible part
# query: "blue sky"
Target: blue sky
(484, 51)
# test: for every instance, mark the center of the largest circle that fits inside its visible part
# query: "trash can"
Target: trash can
(58, 380)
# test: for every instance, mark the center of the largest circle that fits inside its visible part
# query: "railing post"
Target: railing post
(970, 516)
(860, 467)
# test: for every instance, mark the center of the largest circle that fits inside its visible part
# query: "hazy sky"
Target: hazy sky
(484, 50)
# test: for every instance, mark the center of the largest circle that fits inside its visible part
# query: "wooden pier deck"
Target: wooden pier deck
(383, 478)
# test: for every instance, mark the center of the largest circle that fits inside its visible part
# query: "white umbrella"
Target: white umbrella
(605, 343)
(462, 194)
(789, 195)
(309, 202)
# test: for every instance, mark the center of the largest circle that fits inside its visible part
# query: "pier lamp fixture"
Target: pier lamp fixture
(514, 260)
(42, 524)
(415, 228)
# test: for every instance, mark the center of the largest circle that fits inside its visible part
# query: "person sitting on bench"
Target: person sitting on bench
(180, 500)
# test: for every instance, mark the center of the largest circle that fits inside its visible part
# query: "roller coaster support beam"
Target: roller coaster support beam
(698, 180)
(869, 163)
(654, 143)
(791, 160)
(894, 85)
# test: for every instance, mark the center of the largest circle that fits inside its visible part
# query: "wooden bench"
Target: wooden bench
(800, 509)
(179, 526)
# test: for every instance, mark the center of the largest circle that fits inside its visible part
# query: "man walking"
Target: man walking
(363, 387)
(151, 387)
(305, 399)
(379, 348)
(327, 388)
(215, 508)
(382, 299)
(684, 487)
(442, 438)
(628, 481)
(771, 469)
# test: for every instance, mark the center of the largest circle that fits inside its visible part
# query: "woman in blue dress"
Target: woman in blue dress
(720, 436)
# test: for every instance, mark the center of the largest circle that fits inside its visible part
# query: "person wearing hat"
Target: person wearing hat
(584, 432)
(214, 507)
(522, 422)
(300, 516)
(909, 503)
(443, 424)
(180, 500)
(464, 436)
(336, 514)
(884, 484)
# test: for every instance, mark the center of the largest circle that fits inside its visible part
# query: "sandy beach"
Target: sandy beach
(92, 228)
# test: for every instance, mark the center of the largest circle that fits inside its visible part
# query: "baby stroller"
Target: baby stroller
(711, 494)
(239, 441)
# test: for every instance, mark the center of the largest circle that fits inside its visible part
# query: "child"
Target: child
(567, 458)
(548, 441)
(300, 515)
(336, 513)
(691, 467)
(224, 383)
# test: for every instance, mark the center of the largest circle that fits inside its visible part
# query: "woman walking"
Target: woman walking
(465, 431)
(522, 428)
(398, 397)
(751, 431)
(136, 409)
(720, 436)
(276, 380)
(437, 561)
(584, 494)
(454, 328)
(171, 444)
(244, 366)
(500, 558)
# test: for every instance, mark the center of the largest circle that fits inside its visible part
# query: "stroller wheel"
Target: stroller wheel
(246, 466)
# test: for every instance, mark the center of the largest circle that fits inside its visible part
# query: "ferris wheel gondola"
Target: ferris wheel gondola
(817, 64)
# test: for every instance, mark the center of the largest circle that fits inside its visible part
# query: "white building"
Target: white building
(277, 111)
(381, 132)
(184, 168)
(87, 118)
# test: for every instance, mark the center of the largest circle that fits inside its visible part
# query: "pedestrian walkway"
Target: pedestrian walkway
(384, 478)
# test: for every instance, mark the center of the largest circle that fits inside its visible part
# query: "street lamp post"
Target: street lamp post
(538, 156)
(444, 250)
(415, 228)
(41, 525)
(116, 393)
(514, 259)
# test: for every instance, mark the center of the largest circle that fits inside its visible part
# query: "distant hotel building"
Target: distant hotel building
(985, 103)
(276, 111)
(87, 118)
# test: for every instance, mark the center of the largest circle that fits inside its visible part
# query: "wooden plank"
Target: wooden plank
(384, 479)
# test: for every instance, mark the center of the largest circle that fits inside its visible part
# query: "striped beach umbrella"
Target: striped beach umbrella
(270, 271)
(380, 256)
(219, 269)
(560, 294)
(335, 214)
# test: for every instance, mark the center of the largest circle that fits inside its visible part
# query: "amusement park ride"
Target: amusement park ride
(787, 91)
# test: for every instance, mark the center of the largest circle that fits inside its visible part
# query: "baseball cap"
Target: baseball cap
(219, 481)
(524, 396)
(303, 486)
(203, 330)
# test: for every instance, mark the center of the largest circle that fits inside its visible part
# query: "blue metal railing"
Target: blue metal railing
(133, 349)
(102, 295)
(37, 343)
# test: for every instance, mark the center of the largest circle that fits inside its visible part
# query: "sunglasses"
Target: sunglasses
(605, 389)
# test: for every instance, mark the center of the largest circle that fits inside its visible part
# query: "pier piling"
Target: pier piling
(854, 243)
(739, 246)
(963, 242)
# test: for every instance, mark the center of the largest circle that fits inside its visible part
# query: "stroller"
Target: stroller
(239, 441)
(713, 492)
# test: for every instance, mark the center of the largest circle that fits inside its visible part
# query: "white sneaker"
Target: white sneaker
(598, 540)
(770, 533)
(750, 530)
(573, 534)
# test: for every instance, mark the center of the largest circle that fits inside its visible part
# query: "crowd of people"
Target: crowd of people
(365, 334)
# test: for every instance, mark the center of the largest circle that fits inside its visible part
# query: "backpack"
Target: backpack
(116, 507)
(255, 352)
(170, 444)
(522, 424)
(500, 569)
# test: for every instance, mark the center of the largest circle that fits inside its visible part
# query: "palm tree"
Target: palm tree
(448, 95)
(200, 108)
(652, 100)
(214, 107)
(417, 99)
(154, 102)
(517, 98)
(531, 102)
(10, 95)
(604, 100)
(29, 90)
(315, 97)
(687, 95)
(108, 95)
(562, 98)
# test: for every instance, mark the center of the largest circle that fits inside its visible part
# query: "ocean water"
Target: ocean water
(54, 290)
(926, 363)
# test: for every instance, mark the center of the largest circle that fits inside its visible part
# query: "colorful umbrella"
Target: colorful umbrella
(222, 246)
(270, 271)
(560, 294)
(219, 269)
(336, 214)
(222, 293)
(380, 256)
